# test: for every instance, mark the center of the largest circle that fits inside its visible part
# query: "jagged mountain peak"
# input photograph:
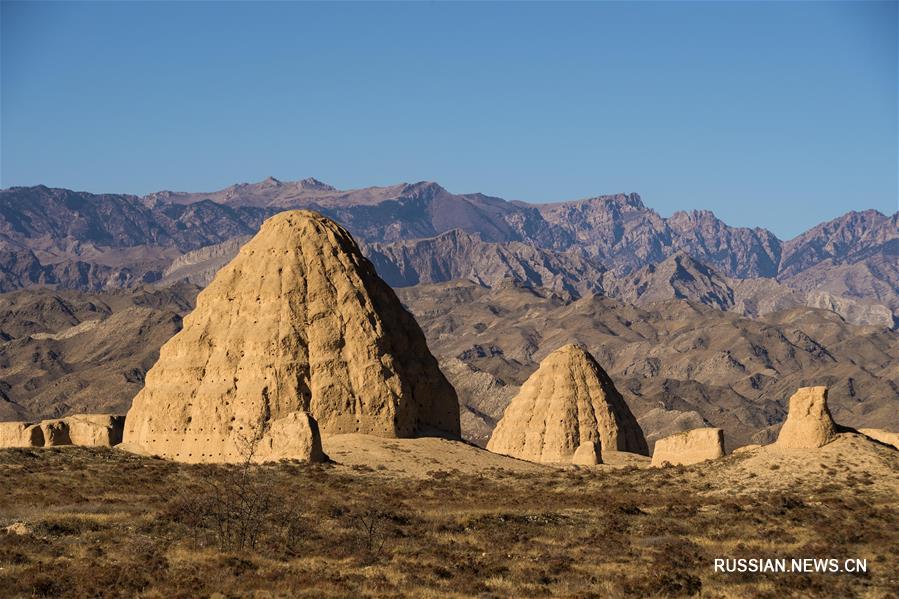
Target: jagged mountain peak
(694, 216)
(850, 256)
(680, 276)
(421, 189)
(683, 260)
(853, 223)
(629, 200)
(620, 200)
(314, 184)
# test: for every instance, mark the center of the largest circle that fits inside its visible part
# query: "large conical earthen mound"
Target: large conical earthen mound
(298, 322)
(568, 401)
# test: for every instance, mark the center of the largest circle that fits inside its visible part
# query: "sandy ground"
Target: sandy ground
(420, 458)
(851, 458)
(417, 458)
(848, 458)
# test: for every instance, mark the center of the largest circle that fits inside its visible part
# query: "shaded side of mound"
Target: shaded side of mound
(298, 322)
(568, 401)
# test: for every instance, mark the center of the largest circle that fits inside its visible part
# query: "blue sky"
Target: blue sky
(771, 114)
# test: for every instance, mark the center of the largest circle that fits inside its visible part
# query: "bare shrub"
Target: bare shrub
(370, 524)
(235, 508)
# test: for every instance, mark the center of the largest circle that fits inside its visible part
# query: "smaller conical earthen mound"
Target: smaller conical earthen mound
(569, 401)
(809, 423)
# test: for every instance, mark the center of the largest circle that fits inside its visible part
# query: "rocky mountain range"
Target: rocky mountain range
(570, 275)
(682, 277)
(420, 232)
(78, 240)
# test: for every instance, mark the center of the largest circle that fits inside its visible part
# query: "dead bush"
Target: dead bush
(235, 507)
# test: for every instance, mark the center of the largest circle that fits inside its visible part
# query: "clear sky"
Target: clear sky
(771, 114)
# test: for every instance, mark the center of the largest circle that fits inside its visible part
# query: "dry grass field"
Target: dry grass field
(104, 523)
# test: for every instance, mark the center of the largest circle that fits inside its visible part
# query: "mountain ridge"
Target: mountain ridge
(125, 240)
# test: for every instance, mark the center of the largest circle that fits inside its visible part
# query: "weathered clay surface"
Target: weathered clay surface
(21, 434)
(55, 432)
(568, 401)
(95, 430)
(689, 447)
(587, 454)
(298, 322)
(809, 423)
(89, 430)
